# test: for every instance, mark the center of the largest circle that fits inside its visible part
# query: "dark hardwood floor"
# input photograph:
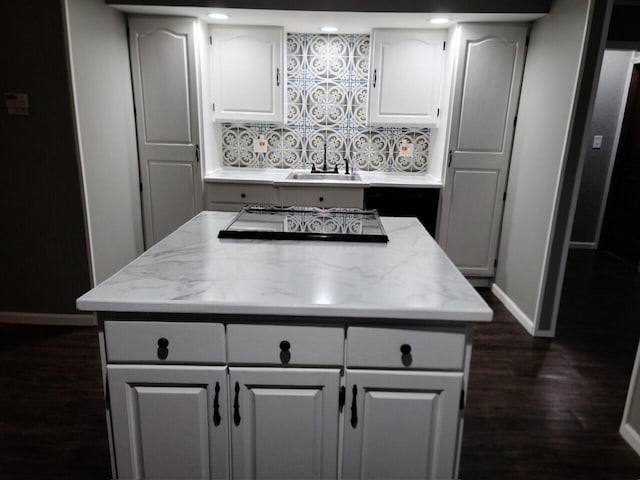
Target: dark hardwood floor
(536, 408)
(551, 408)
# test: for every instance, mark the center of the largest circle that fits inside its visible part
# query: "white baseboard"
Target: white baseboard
(631, 436)
(522, 317)
(480, 281)
(61, 319)
(583, 245)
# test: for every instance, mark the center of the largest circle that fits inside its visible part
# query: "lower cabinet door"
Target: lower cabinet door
(401, 425)
(169, 422)
(284, 423)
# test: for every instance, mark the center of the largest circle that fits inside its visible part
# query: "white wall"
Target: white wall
(101, 82)
(540, 147)
(610, 101)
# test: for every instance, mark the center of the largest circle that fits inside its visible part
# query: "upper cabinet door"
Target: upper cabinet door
(405, 77)
(248, 74)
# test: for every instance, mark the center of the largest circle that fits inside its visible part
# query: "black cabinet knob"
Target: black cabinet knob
(405, 349)
(321, 199)
(243, 195)
(163, 350)
(285, 354)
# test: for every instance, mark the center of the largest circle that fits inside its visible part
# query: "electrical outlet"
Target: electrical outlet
(405, 149)
(260, 145)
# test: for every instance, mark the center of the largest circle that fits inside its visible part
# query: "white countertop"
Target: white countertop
(279, 177)
(192, 271)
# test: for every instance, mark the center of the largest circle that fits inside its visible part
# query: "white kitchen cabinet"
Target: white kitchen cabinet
(248, 73)
(164, 73)
(345, 197)
(401, 424)
(285, 423)
(405, 76)
(488, 79)
(230, 197)
(169, 422)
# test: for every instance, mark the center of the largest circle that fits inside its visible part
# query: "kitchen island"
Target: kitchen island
(286, 359)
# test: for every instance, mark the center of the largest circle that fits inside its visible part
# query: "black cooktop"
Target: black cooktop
(306, 223)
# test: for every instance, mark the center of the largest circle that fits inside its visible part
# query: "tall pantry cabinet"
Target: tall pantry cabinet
(165, 69)
(486, 94)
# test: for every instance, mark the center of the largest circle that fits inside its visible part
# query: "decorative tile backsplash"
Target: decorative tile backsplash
(327, 100)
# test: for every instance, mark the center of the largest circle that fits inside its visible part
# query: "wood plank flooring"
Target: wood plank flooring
(536, 409)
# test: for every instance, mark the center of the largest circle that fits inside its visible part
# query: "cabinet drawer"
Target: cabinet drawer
(322, 197)
(165, 342)
(241, 193)
(285, 345)
(437, 349)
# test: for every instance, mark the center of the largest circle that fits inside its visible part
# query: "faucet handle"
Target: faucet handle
(313, 167)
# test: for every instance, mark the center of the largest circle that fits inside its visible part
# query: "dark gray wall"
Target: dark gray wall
(609, 104)
(43, 256)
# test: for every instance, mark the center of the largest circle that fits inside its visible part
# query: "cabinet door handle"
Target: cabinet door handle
(321, 199)
(236, 406)
(163, 350)
(285, 354)
(277, 77)
(405, 349)
(375, 77)
(216, 406)
(354, 408)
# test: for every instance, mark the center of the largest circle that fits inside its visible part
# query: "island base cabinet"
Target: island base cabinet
(285, 423)
(401, 425)
(169, 422)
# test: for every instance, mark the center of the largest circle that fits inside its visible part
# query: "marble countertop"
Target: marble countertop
(274, 176)
(192, 271)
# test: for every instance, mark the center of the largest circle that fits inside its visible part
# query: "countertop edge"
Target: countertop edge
(279, 179)
(484, 315)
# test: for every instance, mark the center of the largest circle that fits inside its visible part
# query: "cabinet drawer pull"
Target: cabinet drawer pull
(321, 199)
(236, 406)
(407, 359)
(216, 406)
(285, 354)
(354, 408)
(163, 350)
(243, 195)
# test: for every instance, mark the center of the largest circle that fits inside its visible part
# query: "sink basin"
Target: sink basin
(352, 177)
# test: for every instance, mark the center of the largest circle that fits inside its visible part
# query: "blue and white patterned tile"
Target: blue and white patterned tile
(327, 104)
(369, 150)
(284, 148)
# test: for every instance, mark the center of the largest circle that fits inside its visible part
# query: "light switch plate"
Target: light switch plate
(405, 149)
(260, 145)
(597, 141)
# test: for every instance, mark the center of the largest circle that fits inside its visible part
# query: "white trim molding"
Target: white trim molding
(628, 432)
(60, 319)
(631, 436)
(510, 305)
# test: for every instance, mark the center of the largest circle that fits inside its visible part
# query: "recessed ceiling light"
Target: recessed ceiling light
(329, 29)
(439, 20)
(219, 16)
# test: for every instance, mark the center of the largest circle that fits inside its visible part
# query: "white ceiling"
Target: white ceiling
(309, 22)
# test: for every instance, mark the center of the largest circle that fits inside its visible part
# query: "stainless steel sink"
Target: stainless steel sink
(342, 177)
